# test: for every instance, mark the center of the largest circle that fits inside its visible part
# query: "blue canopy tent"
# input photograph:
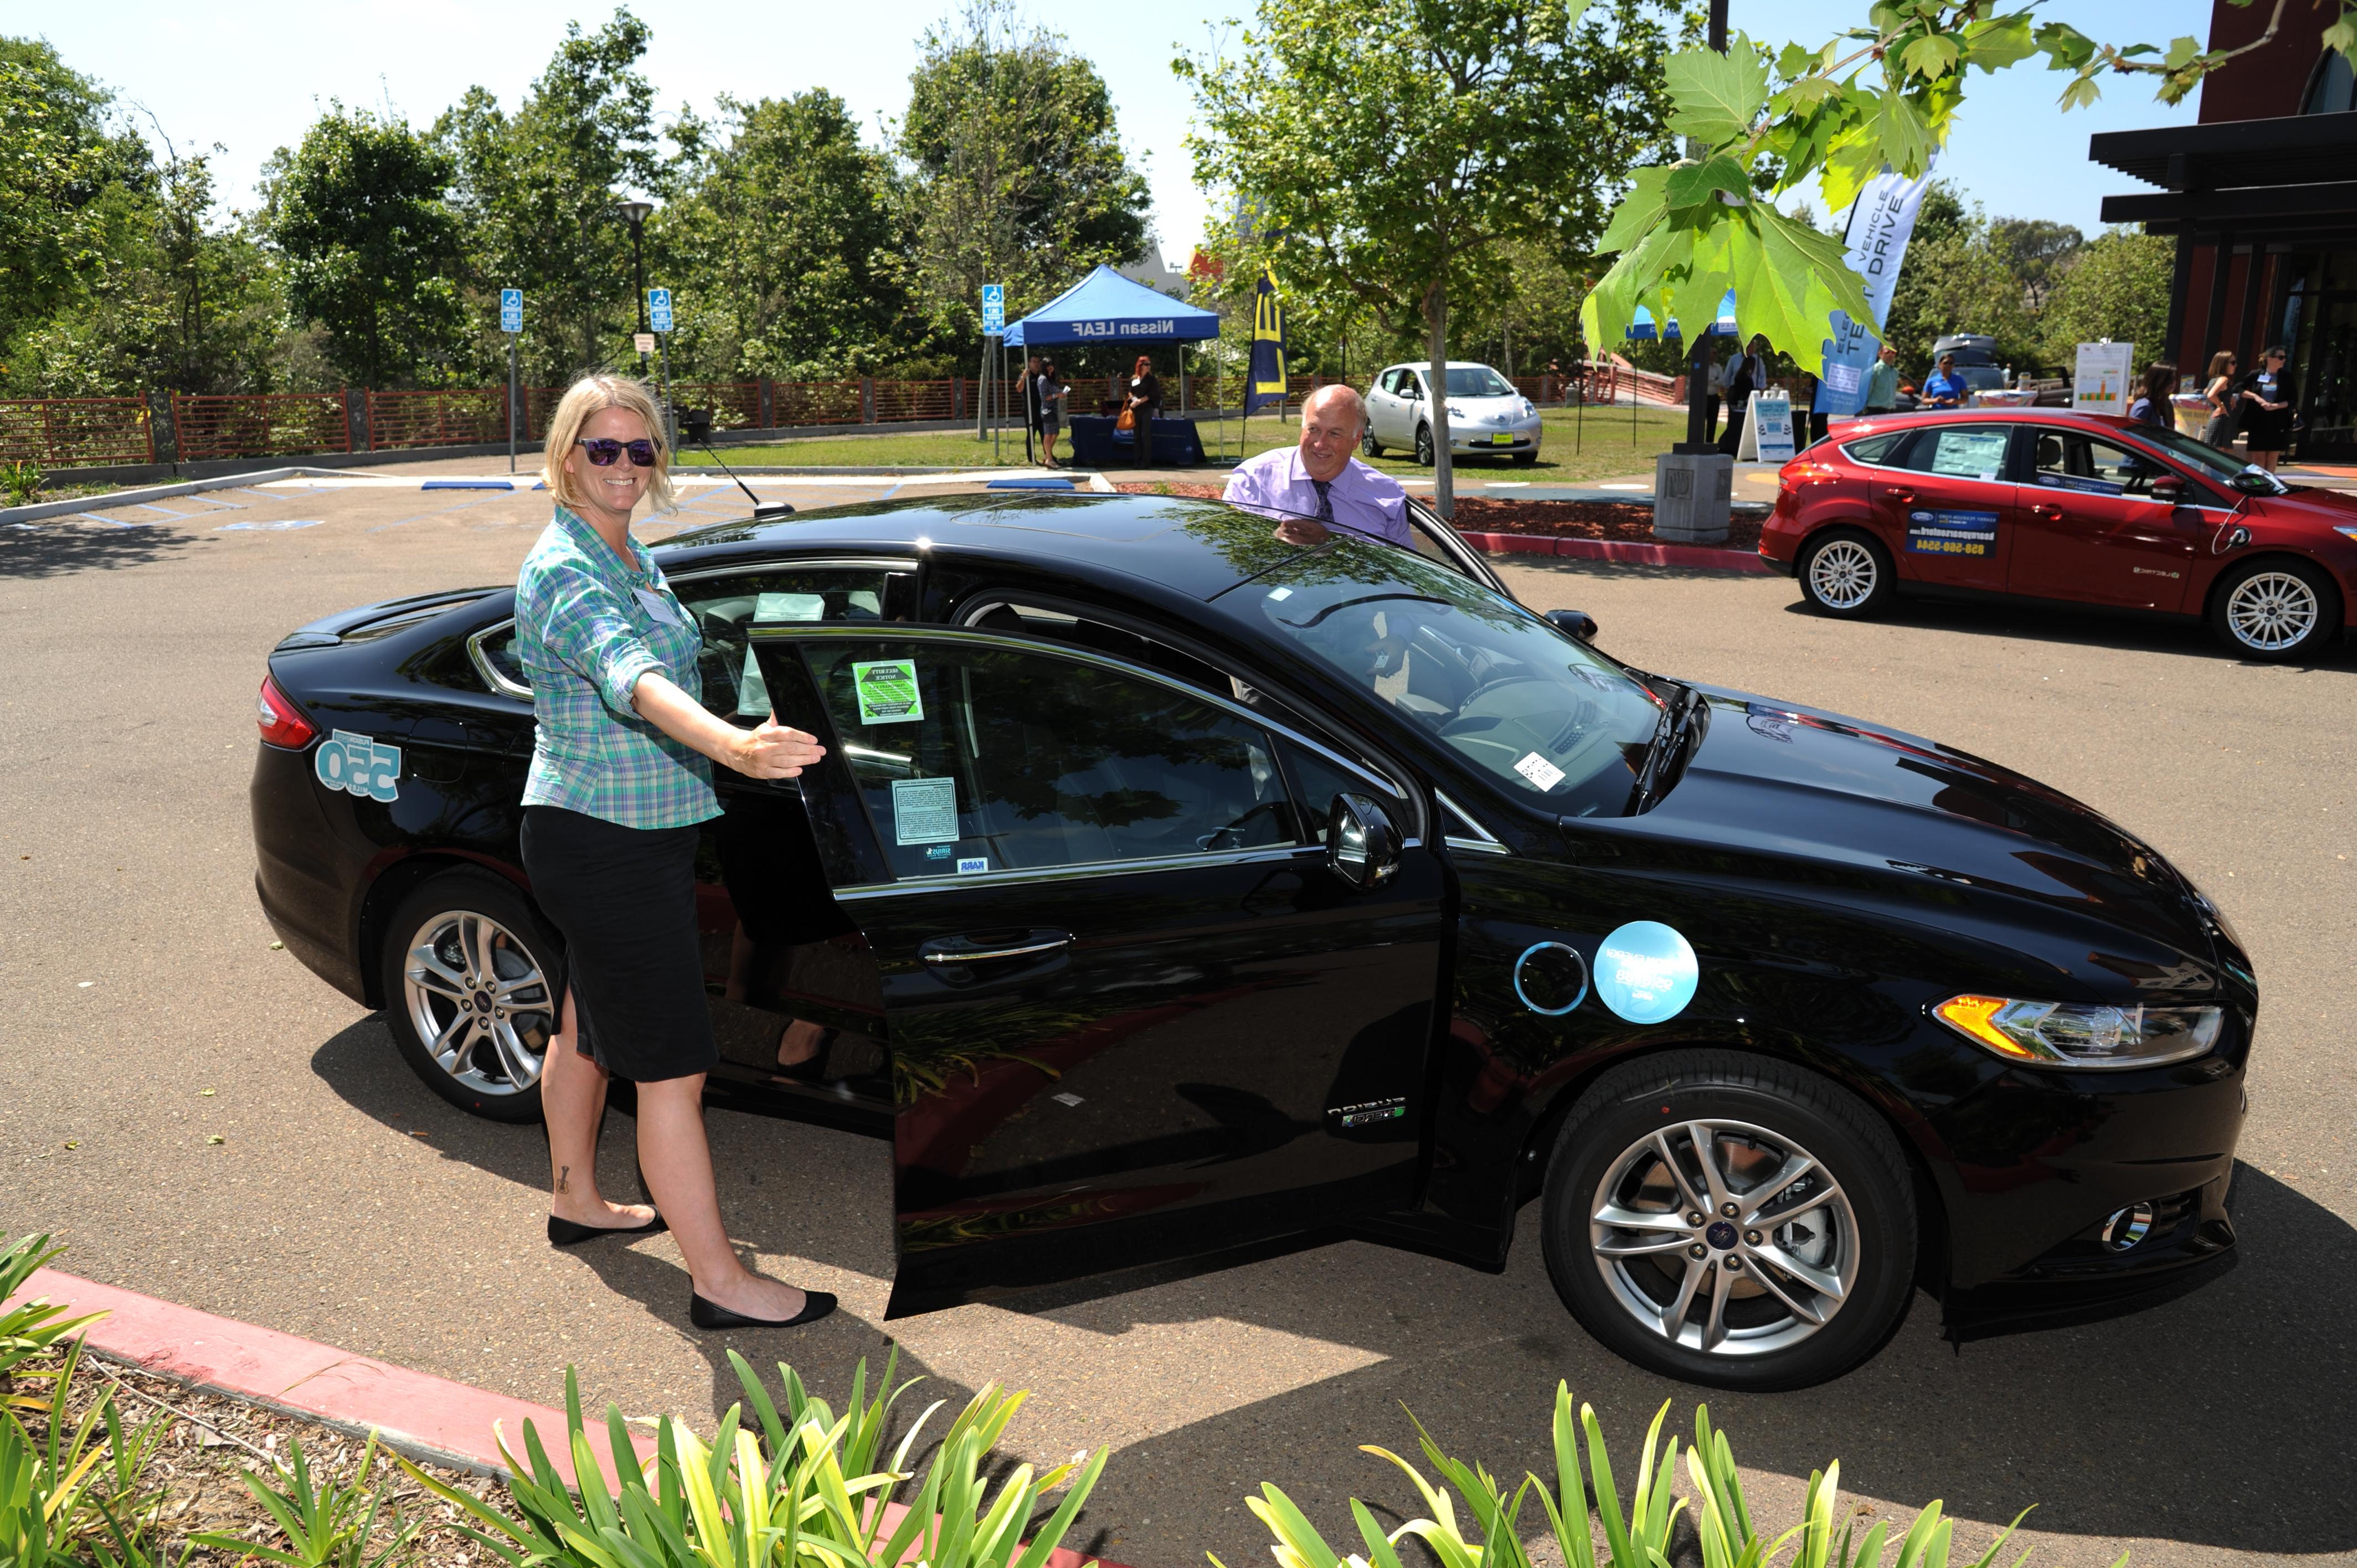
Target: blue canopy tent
(1106, 308)
(1643, 327)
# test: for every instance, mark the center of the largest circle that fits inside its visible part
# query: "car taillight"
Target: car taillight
(282, 722)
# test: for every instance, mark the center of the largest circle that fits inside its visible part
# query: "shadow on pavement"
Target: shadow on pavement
(2078, 625)
(61, 549)
(2213, 1419)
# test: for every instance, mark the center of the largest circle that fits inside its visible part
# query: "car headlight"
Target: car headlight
(2081, 1035)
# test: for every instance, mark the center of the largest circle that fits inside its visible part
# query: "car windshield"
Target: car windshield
(1478, 380)
(1545, 718)
(2223, 467)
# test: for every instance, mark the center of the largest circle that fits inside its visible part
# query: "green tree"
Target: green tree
(536, 194)
(1016, 169)
(371, 252)
(2038, 250)
(789, 245)
(1397, 150)
(1957, 278)
(1762, 123)
(2117, 288)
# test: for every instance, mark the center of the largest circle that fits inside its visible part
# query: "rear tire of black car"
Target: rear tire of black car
(1788, 1263)
(2275, 610)
(1369, 444)
(1846, 573)
(472, 978)
(1423, 445)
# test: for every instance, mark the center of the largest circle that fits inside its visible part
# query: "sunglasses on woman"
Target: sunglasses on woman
(603, 450)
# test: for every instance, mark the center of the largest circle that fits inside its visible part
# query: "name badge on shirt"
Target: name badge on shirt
(658, 607)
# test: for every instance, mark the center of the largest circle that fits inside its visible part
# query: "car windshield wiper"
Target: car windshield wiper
(1668, 739)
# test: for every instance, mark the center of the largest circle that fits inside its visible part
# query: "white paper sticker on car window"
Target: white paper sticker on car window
(789, 606)
(924, 811)
(1539, 770)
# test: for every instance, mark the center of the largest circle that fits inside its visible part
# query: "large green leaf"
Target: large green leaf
(1645, 206)
(1716, 95)
(1906, 140)
(1690, 185)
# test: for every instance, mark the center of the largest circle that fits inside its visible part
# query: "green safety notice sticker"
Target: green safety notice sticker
(924, 811)
(888, 690)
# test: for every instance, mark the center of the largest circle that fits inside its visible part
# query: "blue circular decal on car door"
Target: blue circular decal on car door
(1646, 971)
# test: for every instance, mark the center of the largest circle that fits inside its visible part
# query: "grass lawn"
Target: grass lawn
(1578, 448)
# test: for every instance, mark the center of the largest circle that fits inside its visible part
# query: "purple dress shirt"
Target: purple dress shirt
(1363, 500)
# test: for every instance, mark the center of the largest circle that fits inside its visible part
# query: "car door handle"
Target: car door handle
(1904, 498)
(2047, 510)
(993, 947)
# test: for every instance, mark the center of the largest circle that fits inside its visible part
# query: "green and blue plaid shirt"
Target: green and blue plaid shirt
(587, 626)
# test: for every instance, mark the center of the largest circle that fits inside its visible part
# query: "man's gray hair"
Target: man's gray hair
(1344, 387)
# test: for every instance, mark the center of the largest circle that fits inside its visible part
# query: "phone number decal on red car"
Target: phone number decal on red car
(1951, 532)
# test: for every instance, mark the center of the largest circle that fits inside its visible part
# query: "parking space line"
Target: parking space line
(258, 526)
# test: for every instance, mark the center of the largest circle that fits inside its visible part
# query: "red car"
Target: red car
(2030, 503)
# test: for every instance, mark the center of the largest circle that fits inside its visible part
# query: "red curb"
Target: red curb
(416, 1413)
(1624, 552)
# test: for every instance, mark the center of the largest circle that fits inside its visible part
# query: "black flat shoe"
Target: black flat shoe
(816, 1304)
(812, 1069)
(565, 1233)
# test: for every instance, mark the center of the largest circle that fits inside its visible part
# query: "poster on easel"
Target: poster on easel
(2099, 382)
(1767, 429)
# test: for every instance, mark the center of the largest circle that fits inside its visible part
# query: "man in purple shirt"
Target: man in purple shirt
(1319, 481)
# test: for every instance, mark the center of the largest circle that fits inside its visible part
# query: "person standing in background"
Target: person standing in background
(2264, 399)
(1714, 388)
(1882, 384)
(1804, 406)
(1144, 402)
(1746, 376)
(2225, 419)
(2151, 404)
(1030, 402)
(1944, 388)
(619, 779)
(1049, 393)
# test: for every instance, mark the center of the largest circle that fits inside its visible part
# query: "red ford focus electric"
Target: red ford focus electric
(2083, 508)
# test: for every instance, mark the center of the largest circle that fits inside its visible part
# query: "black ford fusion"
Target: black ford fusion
(1171, 888)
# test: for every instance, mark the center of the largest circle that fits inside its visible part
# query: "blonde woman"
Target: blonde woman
(620, 778)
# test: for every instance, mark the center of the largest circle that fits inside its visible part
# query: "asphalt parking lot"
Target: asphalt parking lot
(204, 1121)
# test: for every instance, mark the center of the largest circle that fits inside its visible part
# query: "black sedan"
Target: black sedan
(1173, 888)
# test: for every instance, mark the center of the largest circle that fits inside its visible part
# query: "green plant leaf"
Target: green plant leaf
(1690, 185)
(2000, 41)
(1904, 139)
(1716, 96)
(1930, 55)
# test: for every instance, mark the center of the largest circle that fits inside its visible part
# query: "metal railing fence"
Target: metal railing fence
(87, 432)
(260, 424)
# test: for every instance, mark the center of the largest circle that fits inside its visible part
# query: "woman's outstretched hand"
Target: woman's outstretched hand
(774, 751)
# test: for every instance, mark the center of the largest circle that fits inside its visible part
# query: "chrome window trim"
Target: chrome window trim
(798, 630)
(1483, 843)
(1091, 870)
(490, 673)
(504, 687)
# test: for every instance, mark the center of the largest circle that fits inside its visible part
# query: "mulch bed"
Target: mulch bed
(209, 1438)
(1628, 521)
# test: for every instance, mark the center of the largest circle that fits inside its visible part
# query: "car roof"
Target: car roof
(1453, 364)
(2092, 423)
(1156, 547)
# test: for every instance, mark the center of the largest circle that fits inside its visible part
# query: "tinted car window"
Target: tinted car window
(2072, 460)
(1535, 711)
(1876, 448)
(727, 609)
(1957, 451)
(1478, 380)
(978, 758)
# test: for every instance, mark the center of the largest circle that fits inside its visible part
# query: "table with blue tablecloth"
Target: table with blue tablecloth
(1097, 444)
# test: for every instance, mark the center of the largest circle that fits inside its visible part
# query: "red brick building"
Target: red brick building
(2262, 199)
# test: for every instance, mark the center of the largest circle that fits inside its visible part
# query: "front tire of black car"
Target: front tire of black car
(1786, 1263)
(1846, 573)
(2275, 610)
(472, 980)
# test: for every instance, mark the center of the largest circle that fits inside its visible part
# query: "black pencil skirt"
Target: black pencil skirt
(624, 899)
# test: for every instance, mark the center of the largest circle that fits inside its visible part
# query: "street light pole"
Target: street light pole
(635, 213)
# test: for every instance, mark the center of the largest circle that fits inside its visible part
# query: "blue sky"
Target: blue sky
(251, 77)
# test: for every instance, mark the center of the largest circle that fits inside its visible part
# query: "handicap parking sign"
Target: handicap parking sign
(994, 310)
(510, 310)
(658, 310)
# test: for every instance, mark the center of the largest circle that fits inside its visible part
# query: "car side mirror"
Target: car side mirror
(2168, 487)
(1362, 848)
(1576, 623)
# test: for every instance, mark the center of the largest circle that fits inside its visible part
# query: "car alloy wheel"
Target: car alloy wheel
(1843, 575)
(1724, 1238)
(1424, 445)
(1368, 443)
(2273, 611)
(478, 1002)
